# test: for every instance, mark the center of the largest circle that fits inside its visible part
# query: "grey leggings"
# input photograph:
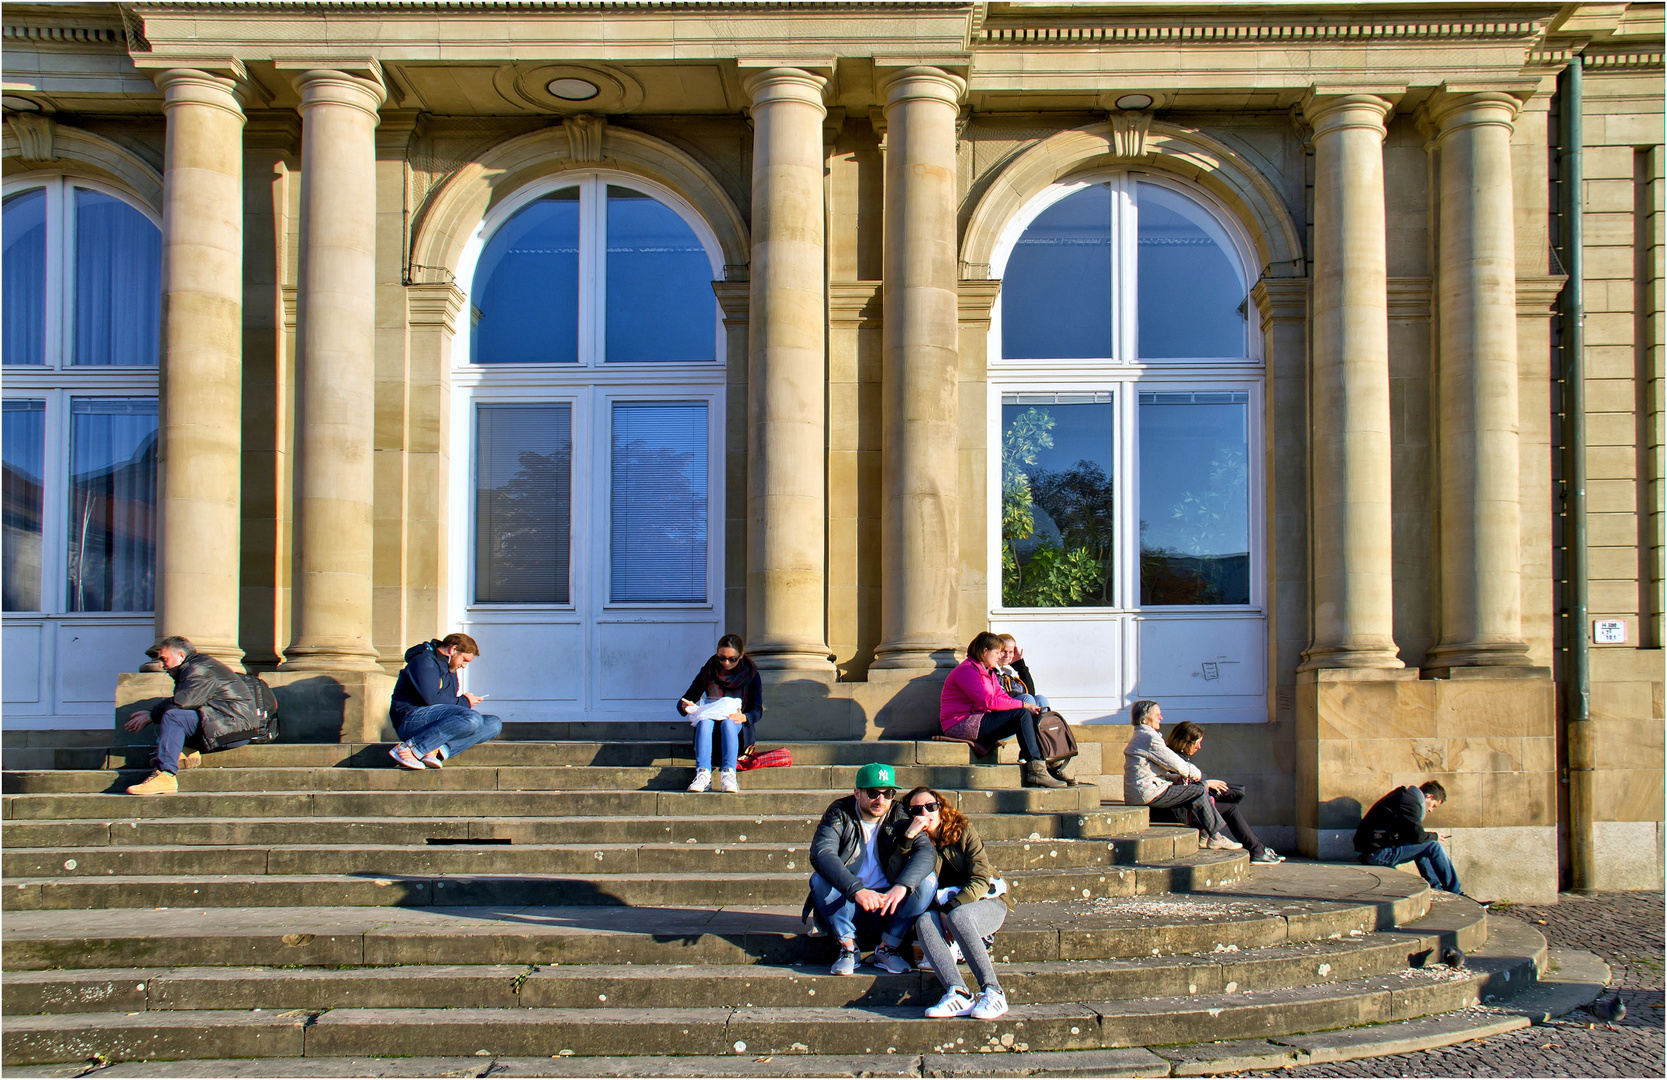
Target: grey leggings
(969, 923)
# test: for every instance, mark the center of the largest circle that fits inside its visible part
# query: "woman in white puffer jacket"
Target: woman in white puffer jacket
(1156, 776)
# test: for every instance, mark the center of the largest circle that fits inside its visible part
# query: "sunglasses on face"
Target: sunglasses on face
(923, 808)
(879, 793)
(729, 661)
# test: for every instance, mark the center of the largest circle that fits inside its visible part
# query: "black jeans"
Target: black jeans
(999, 725)
(1239, 827)
(1196, 799)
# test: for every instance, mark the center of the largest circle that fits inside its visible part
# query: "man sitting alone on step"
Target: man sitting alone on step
(1392, 832)
(434, 720)
(860, 873)
(212, 709)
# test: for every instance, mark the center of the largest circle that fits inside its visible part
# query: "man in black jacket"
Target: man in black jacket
(212, 708)
(1392, 832)
(858, 871)
(433, 718)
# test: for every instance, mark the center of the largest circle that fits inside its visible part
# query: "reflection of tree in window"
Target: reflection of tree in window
(1194, 499)
(659, 496)
(524, 503)
(1058, 524)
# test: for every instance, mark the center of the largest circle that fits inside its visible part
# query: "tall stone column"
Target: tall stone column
(334, 473)
(786, 376)
(199, 452)
(1481, 589)
(1353, 614)
(920, 512)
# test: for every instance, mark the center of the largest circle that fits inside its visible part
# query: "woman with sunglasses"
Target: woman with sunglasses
(723, 703)
(969, 917)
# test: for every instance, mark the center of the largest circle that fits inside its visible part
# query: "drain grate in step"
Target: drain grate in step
(469, 840)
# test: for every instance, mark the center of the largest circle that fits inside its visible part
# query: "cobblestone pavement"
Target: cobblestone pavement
(1623, 928)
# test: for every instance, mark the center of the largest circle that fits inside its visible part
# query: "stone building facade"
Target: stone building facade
(1217, 355)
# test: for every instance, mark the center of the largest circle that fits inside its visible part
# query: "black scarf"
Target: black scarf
(727, 682)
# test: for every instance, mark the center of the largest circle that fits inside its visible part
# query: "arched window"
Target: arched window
(1126, 389)
(591, 400)
(80, 337)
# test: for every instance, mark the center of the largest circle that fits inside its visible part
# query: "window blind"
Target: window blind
(523, 503)
(658, 503)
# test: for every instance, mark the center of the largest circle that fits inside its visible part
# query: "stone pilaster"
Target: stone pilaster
(1481, 592)
(920, 510)
(786, 372)
(199, 451)
(335, 476)
(1349, 393)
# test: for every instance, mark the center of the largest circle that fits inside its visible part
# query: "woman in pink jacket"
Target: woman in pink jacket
(975, 707)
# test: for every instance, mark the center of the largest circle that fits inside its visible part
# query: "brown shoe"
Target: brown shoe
(158, 783)
(1036, 775)
(190, 759)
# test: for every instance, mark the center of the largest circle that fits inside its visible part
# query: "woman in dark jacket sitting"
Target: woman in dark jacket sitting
(723, 703)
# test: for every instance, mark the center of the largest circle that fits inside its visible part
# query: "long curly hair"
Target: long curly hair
(952, 824)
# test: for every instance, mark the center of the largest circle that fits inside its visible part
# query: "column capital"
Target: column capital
(776, 84)
(355, 85)
(1451, 108)
(922, 82)
(1327, 109)
(198, 86)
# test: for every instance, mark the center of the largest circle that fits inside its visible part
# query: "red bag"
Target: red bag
(770, 759)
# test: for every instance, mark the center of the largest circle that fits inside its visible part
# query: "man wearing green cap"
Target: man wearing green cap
(859, 872)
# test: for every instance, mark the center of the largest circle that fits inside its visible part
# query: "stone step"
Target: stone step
(507, 752)
(1274, 906)
(388, 777)
(1151, 846)
(1106, 823)
(716, 887)
(755, 1031)
(486, 804)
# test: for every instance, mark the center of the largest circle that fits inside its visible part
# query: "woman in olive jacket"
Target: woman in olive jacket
(969, 916)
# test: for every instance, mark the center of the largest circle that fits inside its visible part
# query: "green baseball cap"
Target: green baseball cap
(875, 775)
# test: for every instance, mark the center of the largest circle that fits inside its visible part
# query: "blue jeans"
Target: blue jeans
(728, 731)
(455, 727)
(178, 725)
(841, 913)
(1035, 699)
(1431, 858)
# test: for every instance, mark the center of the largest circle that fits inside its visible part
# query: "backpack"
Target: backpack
(1054, 734)
(266, 708)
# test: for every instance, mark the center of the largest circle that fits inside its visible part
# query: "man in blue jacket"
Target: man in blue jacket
(433, 719)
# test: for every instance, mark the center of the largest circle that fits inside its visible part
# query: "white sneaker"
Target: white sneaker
(990, 1004)
(1224, 843)
(727, 780)
(954, 1003)
(703, 780)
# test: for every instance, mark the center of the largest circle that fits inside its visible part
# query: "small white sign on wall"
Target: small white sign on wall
(1609, 631)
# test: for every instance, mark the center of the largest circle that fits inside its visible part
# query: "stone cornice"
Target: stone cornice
(976, 299)
(735, 301)
(1087, 32)
(1537, 293)
(1627, 58)
(1409, 298)
(855, 303)
(436, 305)
(1281, 299)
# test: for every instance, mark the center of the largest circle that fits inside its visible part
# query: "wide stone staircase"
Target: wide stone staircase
(552, 899)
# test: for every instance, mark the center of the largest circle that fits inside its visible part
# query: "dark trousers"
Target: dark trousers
(1195, 798)
(1022, 722)
(179, 726)
(1239, 827)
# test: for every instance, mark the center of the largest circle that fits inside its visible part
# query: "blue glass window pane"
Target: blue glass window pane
(659, 282)
(1056, 290)
(658, 503)
(523, 503)
(1193, 300)
(118, 282)
(1194, 498)
(23, 279)
(525, 301)
(112, 504)
(23, 431)
(1058, 512)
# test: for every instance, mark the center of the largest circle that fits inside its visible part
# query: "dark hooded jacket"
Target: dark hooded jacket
(426, 679)
(1394, 820)
(223, 701)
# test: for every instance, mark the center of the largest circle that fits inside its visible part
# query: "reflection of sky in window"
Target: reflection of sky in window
(659, 284)
(23, 431)
(526, 294)
(1192, 294)
(23, 274)
(1183, 438)
(109, 433)
(1056, 289)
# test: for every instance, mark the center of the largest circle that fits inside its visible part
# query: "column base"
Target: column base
(311, 658)
(1508, 655)
(1343, 657)
(913, 658)
(806, 656)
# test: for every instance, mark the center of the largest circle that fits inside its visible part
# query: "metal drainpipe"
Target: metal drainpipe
(1578, 711)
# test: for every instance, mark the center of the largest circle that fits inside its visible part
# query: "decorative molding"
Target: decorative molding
(855, 304)
(1537, 293)
(975, 298)
(1281, 300)
(584, 136)
(735, 301)
(63, 35)
(1128, 134)
(1635, 59)
(433, 305)
(1037, 31)
(34, 137)
(1410, 298)
(75, 150)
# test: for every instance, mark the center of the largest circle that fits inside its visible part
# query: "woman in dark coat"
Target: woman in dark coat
(723, 703)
